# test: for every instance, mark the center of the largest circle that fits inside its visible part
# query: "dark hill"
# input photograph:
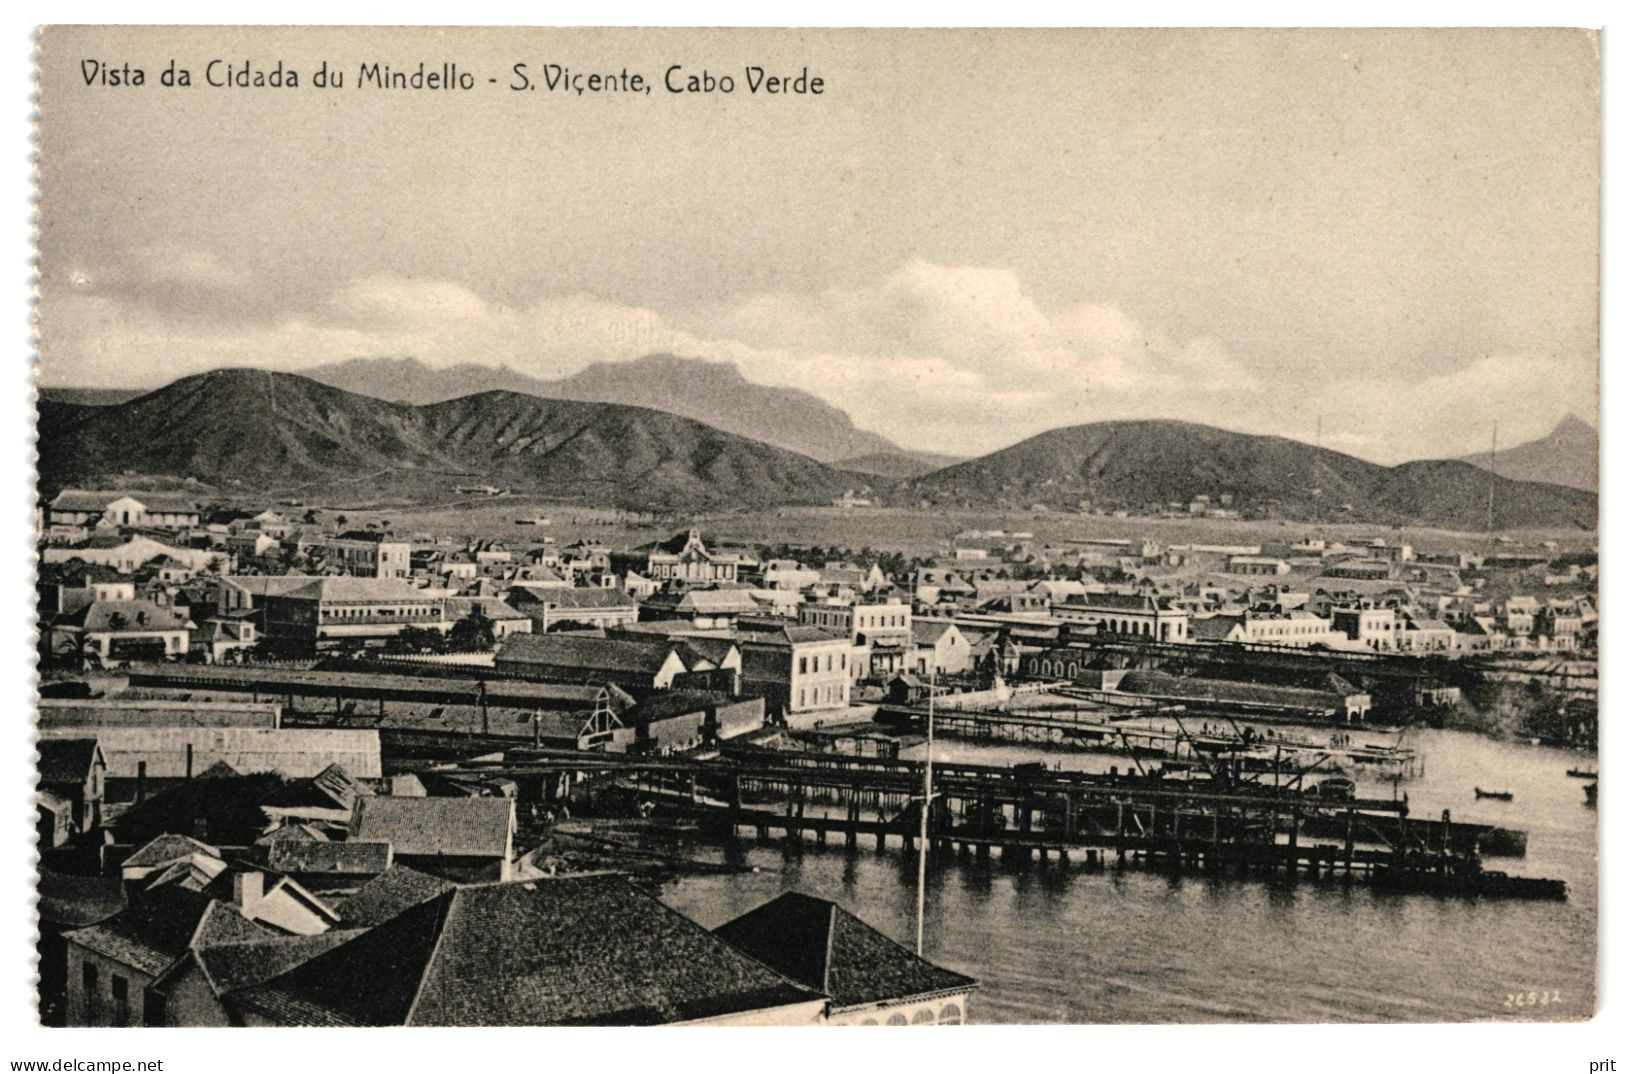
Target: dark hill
(1145, 464)
(280, 432)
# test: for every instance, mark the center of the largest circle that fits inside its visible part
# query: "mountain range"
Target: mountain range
(1568, 455)
(715, 393)
(1139, 464)
(265, 432)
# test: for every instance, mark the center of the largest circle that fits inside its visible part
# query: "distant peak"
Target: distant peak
(1573, 423)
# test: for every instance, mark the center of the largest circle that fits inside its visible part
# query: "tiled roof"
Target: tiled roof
(75, 901)
(152, 934)
(66, 760)
(464, 827)
(261, 585)
(132, 616)
(354, 857)
(84, 500)
(793, 635)
(233, 965)
(392, 892)
(344, 589)
(569, 951)
(817, 943)
(645, 655)
(168, 848)
(581, 596)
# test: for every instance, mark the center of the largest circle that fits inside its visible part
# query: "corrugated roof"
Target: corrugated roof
(297, 753)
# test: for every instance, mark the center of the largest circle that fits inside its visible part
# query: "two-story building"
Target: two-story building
(803, 672)
(333, 611)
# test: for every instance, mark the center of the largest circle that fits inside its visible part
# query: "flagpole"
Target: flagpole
(925, 815)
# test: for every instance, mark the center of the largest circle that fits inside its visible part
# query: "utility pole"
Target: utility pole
(1495, 429)
(925, 816)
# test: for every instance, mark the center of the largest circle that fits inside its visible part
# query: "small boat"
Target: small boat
(1583, 773)
(1499, 796)
(1591, 794)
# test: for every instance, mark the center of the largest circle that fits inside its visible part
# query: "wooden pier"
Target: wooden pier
(1027, 812)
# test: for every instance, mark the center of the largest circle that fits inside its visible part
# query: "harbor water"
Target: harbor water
(1053, 942)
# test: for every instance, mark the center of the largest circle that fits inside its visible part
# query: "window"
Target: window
(803, 665)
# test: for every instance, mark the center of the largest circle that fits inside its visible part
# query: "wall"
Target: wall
(948, 1010)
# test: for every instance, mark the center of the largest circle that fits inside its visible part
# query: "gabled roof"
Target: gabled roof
(931, 631)
(168, 848)
(392, 892)
(817, 943)
(353, 857)
(151, 935)
(344, 589)
(66, 760)
(569, 951)
(233, 965)
(127, 616)
(580, 596)
(645, 655)
(462, 827)
(85, 500)
(790, 636)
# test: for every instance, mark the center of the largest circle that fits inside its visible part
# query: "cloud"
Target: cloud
(961, 359)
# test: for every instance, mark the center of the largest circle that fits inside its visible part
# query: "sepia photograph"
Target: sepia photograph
(802, 527)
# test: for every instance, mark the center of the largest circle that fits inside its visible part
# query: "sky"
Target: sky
(970, 237)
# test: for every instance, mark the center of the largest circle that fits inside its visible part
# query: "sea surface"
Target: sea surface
(1056, 943)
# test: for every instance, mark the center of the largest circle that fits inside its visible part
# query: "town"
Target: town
(283, 757)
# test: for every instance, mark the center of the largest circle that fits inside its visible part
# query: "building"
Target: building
(499, 616)
(799, 670)
(185, 750)
(682, 557)
(1376, 628)
(127, 554)
(460, 839)
(366, 555)
(569, 951)
(1292, 628)
(73, 513)
(118, 631)
(72, 788)
(706, 609)
(867, 978)
(246, 592)
(638, 662)
(574, 607)
(940, 646)
(1258, 565)
(113, 967)
(333, 611)
(881, 634)
(1132, 614)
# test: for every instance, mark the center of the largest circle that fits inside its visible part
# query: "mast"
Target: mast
(1495, 429)
(925, 816)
